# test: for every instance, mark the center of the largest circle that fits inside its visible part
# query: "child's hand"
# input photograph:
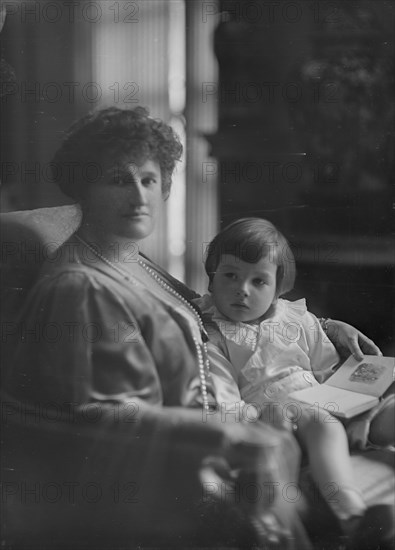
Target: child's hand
(348, 340)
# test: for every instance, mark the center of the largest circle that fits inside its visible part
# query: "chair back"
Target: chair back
(29, 237)
(27, 240)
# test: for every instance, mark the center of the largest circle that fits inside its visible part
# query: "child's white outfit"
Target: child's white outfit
(262, 363)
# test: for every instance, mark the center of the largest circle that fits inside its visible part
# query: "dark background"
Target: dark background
(306, 139)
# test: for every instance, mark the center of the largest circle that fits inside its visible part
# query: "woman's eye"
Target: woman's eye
(148, 181)
(118, 181)
(122, 179)
(231, 276)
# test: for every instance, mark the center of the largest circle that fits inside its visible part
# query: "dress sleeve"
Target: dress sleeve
(82, 352)
(88, 347)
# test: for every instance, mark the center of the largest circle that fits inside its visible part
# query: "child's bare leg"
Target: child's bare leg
(325, 441)
(382, 428)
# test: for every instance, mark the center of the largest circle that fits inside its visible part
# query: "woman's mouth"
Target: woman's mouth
(133, 215)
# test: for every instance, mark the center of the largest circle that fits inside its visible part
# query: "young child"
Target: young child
(265, 347)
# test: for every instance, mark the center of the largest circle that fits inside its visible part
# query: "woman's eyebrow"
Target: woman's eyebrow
(150, 173)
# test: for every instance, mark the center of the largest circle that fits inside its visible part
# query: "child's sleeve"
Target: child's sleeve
(322, 353)
(223, 376)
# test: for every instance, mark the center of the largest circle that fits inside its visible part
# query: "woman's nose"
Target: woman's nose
(137, 192)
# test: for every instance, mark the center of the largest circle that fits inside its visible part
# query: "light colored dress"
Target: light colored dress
(262, 363)
(286, 352)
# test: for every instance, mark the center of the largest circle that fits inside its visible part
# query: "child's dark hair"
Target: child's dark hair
(250, 240)
(111, 134)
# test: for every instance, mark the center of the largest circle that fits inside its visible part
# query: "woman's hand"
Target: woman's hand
(250, 475)
(348, 340)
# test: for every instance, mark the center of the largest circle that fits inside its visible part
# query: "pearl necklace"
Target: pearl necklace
(203, 361)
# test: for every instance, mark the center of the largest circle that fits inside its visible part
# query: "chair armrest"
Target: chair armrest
(102, 481)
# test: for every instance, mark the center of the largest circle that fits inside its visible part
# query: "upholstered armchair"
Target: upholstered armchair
(68, 485)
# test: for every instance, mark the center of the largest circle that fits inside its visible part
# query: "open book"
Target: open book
(354, 388)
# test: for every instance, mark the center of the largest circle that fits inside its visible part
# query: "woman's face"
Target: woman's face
(125, 202)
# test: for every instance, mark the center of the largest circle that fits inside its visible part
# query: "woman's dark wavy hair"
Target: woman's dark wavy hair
(250, 240)
(111, 134)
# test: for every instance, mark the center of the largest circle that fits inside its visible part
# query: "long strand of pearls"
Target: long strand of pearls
(202, 356)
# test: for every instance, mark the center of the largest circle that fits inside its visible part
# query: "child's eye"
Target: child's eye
(259, 282)
(231, 276)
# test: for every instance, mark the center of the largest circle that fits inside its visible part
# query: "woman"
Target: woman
(129, 344)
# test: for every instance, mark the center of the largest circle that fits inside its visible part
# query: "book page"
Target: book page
(335, 400)
(371, 376)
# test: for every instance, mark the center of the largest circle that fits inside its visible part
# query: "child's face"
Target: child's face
(244, 291)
